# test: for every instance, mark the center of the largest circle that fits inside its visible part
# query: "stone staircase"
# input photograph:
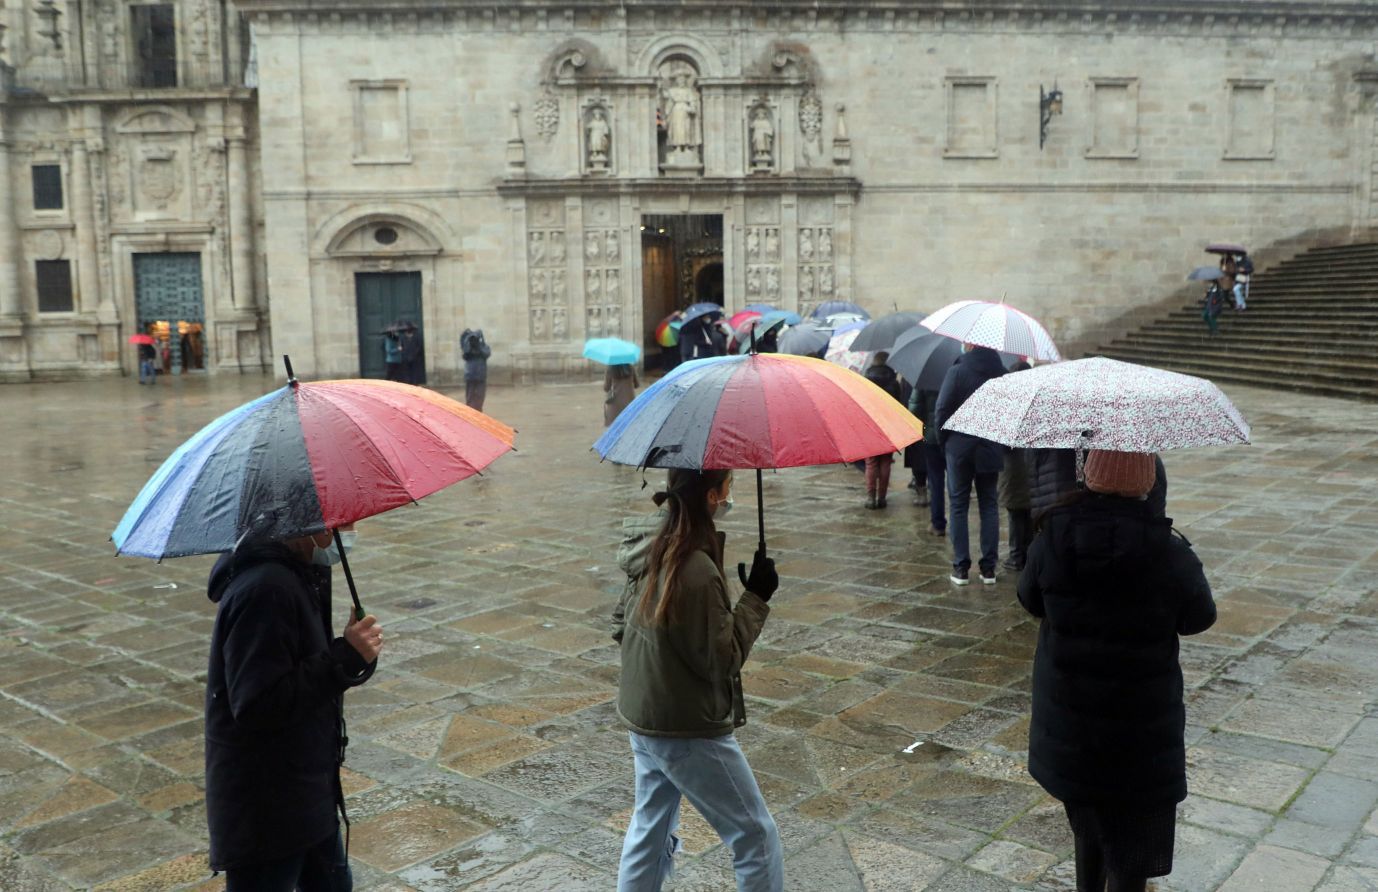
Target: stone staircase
(1311, 326)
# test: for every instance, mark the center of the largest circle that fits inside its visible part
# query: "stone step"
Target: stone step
(1341, 335)
(1349, 314)
(1254, 379)
(1246, 368)
(1322, 355)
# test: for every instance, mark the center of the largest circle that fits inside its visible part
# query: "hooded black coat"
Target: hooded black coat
(274, 704)
(973, 369)
(1115, 588)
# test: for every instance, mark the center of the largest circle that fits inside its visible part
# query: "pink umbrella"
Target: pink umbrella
(1101, 403)
(997, 326)
(738, 319)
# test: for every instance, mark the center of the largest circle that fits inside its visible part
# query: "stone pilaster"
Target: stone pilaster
(241, 223)
(83, 215)
(11, 306)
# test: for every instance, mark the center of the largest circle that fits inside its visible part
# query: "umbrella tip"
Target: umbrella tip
(291, 378)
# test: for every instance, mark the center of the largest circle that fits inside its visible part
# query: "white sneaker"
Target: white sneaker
(987, 580)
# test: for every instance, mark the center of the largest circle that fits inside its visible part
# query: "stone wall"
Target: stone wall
(907, 141)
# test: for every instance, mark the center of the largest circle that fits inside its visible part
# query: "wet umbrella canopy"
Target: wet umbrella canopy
(1205, 274)
(834, 307)
(880, 334)
(699, 311)
(805, 339)
(757, 411)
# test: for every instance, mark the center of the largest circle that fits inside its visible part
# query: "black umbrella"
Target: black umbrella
(880, 334)
(923, 357)
(805, 339)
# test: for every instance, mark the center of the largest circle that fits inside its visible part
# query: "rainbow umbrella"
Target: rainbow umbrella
(304, 459)
(757, 411)
(667, 331)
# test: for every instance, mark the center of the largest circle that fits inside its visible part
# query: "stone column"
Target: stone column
(88, 273)
(241, 223)
(10, 303)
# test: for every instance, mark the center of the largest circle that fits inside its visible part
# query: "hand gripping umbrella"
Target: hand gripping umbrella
(304, 459)
(757, 411)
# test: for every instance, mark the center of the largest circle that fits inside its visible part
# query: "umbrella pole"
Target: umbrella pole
(349, 577)
(760, 512)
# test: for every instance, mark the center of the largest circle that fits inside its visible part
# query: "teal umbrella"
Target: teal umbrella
(612, 351)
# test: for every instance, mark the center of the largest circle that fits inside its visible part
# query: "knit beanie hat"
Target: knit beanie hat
(1129, 475)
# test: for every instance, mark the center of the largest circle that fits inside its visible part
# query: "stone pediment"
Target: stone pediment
(156, 119)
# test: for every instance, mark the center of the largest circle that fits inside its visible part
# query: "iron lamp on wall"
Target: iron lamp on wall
(1049, 104)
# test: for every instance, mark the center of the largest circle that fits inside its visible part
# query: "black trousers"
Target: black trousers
(1021, 534)
(474, 393)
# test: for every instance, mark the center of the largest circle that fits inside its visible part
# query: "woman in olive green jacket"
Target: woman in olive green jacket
(683, 645)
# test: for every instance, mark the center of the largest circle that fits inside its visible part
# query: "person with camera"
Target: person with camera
(680, 694)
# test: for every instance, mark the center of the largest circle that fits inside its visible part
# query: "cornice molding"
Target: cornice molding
(1318, 18)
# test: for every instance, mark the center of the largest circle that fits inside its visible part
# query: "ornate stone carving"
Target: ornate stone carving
(613, 247)
(597, 139)
(555, 247)
(535, 253)
(546, 111)
(753, 244)
(761, 128)
(681, 111)
(592, 246)
(559, 323)
(811, 124)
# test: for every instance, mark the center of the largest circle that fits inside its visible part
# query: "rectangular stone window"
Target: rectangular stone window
(47, 187)
(153, 30)
(971, 123)
(54, 279)
(381, 129)
(1250, 110)
(1114, 118)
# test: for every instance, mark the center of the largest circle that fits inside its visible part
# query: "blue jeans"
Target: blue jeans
(937, 486)
(146, 371)
(713, 775)
(961, 474)
(321, 868)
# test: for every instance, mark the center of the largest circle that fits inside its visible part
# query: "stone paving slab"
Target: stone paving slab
(486, 754)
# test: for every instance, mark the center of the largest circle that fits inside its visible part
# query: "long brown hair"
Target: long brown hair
(688, 526)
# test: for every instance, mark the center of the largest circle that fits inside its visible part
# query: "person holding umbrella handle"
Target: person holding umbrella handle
(680, 694)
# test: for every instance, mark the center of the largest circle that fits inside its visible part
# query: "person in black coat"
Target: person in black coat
(1114, 588)
(275, 716)
(970, 461)
(413, 354)
(878, 466)
(1052, 477)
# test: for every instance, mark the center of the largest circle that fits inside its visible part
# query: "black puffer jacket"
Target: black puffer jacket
(1115, 588)
(274, 698)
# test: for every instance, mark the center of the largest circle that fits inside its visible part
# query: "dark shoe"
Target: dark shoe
(880, 502)
(988, 576)
(913, 484)
(1013, 565)
(871, 502)
(921, 498)
(934, 531)
(959, 577)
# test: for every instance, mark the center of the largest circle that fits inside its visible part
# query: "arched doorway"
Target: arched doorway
(708, 284)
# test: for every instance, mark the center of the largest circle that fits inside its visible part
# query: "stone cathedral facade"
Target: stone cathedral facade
(551, 172)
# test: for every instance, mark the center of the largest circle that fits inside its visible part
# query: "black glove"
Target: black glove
(763, 580)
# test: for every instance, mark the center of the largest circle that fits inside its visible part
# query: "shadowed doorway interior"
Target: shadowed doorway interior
(681, 264)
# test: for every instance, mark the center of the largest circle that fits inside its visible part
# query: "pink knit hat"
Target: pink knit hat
(1126, 474)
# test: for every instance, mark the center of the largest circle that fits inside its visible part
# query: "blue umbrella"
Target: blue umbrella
(1205, 274)
(699, 311)
(612, 351)
(832, 307)
(773, 319)
(759, 308)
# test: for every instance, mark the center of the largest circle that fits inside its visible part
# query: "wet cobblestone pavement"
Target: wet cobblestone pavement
(486, 754)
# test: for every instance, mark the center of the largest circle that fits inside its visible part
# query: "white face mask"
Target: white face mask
(330, 555)
(722, 508)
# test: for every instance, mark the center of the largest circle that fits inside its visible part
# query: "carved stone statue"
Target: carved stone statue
(825, 244)
(753, 281)
(591, 247)
(559, 325)
(753, 244)
(614, 247)
(772, 244)
(612, 284)
(599, 134)
(536, 249)
(772, 284)
(557, 248)
(762, 139)
(538, 292)
(559, 291)
(681, 112)
(593, 284)
(825, 281)
(806, 244)
(594, 322)
(612, 322)
(805, 284)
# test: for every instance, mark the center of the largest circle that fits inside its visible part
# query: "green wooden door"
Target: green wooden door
(385, 299)
(168, 302)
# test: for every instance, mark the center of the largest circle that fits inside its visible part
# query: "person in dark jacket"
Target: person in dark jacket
(1014, 498)
(275, 739)
(413, 354)
(392, 352)
(1114, 589)
(475, 351)
(970, 461)
(699, 338)
(921, 404)
(683, 644)
(878, 466)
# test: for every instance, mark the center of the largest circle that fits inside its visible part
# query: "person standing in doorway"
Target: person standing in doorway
(148, 373)
(392, 352)
(475, 351)
(683, 644)
(1114, 589)
(971, 461)
(413, 354)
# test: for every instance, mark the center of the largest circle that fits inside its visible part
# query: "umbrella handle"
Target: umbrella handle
(760, 512)
(349, 577)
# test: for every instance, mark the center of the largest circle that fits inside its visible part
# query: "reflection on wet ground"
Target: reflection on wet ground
(486, 754)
